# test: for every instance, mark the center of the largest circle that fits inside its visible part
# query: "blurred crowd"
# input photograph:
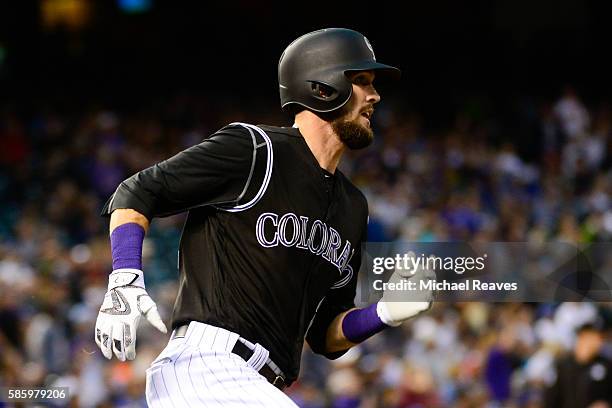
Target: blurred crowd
(462, 183)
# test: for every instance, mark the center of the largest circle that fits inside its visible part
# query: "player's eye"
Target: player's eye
(362, 80)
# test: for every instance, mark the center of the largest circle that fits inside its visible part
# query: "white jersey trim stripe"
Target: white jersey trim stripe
(268, 175)
(252, 170)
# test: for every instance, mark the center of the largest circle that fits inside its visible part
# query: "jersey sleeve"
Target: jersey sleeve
(216, 171)
(337, 300)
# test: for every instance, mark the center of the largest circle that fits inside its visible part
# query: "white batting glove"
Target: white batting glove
(395, 306)
(124, 304)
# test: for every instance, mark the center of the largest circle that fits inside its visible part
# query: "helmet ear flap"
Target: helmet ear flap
(323, 91)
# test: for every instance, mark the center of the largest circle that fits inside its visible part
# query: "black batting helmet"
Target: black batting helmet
(312, 69)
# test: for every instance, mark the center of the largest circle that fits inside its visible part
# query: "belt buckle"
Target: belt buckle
(179, 332)
(279, 382)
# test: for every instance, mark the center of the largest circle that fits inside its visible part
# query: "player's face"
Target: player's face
(353, 126)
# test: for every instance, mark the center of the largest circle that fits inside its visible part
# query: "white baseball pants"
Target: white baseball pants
(199, 370)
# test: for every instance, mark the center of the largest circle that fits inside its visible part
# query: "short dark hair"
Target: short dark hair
(589, 327)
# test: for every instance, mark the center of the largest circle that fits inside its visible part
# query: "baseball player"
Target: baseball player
(270, 250)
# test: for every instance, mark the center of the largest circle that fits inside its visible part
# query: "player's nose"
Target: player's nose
(372, 95)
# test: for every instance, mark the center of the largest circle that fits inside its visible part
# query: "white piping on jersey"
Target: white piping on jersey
(268, 175)
(110, 203)
(315, 313)
(252, 170)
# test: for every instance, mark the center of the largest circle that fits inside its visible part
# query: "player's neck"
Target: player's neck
(321, 139)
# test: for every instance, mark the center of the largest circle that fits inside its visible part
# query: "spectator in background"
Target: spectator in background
(572, 114)
(418, 389)
(500, 365)
(583, 378)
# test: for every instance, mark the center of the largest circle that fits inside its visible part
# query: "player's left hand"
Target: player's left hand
(397, 306)
(124, 304)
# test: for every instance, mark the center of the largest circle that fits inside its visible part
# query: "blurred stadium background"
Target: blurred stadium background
(499, 130)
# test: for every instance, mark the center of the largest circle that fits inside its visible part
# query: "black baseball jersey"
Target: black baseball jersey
(271, 245)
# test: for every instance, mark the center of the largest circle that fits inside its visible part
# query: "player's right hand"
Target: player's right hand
(124, 304)
(397, 306)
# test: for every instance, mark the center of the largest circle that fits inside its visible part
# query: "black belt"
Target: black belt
(244, 352)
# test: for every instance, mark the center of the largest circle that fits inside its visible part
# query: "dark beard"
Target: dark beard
(354, 135)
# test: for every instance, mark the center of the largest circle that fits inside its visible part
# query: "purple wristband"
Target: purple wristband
(360, 324)
(126, 246)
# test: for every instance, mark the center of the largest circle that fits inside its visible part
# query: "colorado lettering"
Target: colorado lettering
(320, 239)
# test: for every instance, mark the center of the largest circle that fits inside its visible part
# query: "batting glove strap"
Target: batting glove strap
(126, 277)
(385, 315)
(395, 313)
